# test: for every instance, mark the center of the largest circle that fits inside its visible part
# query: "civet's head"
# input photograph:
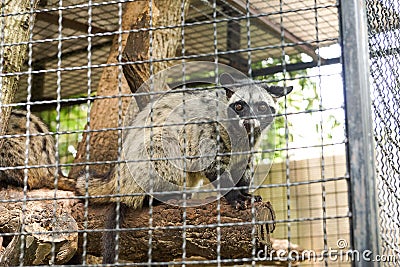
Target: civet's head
(254, 103)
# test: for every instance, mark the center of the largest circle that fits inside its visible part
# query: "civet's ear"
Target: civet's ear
(227, 81)
(277, 91)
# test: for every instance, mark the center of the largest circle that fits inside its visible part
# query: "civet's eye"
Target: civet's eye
(238, 107)
(262, 107)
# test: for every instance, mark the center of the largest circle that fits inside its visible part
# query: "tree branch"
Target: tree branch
(146, 45)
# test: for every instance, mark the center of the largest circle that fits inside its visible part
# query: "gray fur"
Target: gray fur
(177, 134)
(178, 141)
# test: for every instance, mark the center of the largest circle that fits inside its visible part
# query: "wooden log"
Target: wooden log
(203, 230)
(47, 226)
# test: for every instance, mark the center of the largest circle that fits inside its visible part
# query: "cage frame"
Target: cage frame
(360, 144)
(360, 158)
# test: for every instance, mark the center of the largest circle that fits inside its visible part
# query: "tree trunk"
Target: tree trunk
(12, 53)
(145, 46)
(103, 146)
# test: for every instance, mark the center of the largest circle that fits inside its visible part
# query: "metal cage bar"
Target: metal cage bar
(360, 145)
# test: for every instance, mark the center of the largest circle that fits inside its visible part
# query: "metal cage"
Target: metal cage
(329, 166)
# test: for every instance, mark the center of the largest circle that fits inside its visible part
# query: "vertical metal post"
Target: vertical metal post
(360, 147)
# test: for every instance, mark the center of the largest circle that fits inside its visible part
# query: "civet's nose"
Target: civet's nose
(250, 124)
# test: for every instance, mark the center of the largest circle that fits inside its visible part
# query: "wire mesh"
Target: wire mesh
(383, 22)
(74, 80)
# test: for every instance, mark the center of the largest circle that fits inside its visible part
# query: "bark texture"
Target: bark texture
(12, 53)
(201, 232)
(47, 222)
(48, 225)
(144, 46)
(103, 146)
(104, 113)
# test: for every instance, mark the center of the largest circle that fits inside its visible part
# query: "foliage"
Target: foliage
(303, 98)
(72, 120)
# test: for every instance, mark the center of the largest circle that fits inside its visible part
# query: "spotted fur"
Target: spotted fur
(160, 142)
(162, 157)
(41, 151)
